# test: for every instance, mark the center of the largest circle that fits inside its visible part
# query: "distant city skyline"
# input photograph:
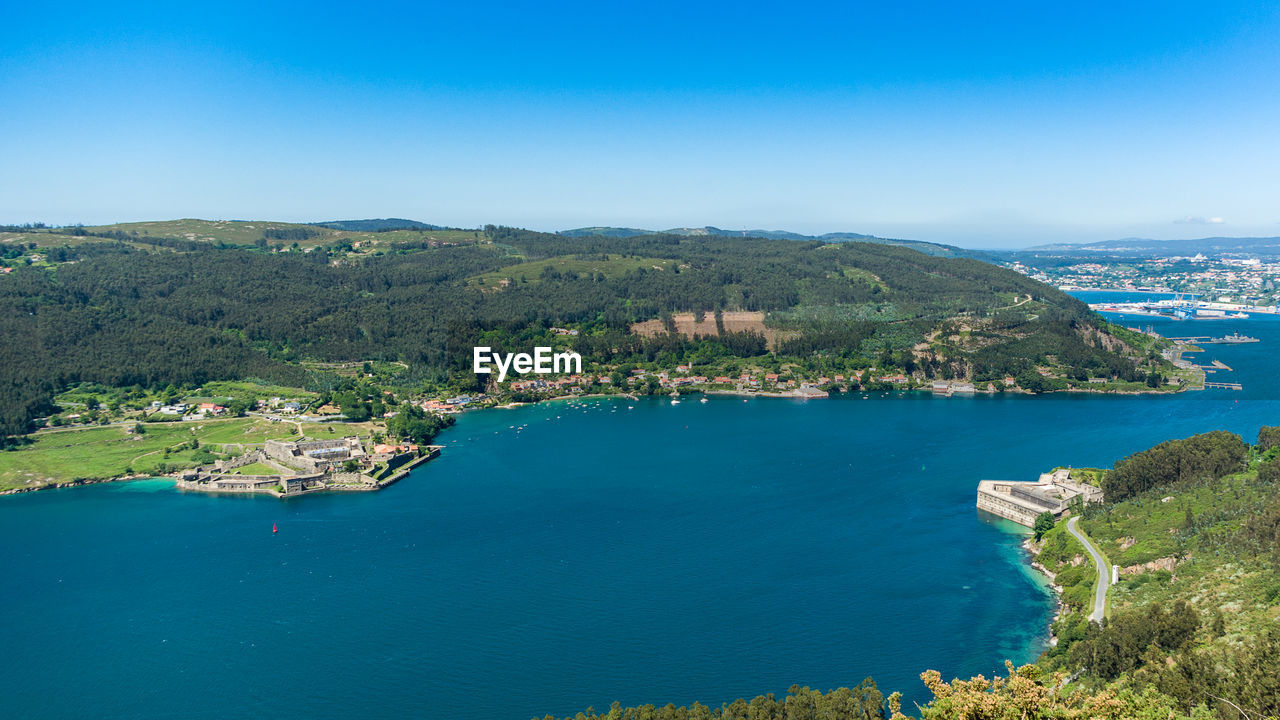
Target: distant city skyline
(990, 125)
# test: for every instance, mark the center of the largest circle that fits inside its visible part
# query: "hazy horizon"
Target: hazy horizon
(1000, 125)
(727, 229)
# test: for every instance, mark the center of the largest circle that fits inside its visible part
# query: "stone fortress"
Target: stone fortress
(316, 455)
(1022, 502)
(304, 466)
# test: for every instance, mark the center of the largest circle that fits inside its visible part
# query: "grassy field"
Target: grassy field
(329, 430)
(858, 274)
(255, 469)
(249, 390)
(236, 232)
(103, 452)
(614, 266)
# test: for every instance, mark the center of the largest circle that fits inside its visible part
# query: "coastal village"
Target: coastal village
(785, 380)
(1239, 283)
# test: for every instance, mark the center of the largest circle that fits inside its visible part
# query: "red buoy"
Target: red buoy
(274, 529)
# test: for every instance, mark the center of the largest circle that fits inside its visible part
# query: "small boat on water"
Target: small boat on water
(703, 400)
(675, 401)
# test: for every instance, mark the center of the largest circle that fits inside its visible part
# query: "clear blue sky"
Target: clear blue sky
(978, 124)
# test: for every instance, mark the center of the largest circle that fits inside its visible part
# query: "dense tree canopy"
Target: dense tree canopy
(1198, 458)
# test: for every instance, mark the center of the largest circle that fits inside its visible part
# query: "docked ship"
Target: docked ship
(1179, 307)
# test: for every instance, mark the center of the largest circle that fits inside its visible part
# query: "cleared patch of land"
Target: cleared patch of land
(690, 325)
(854, 273)
(693, 325)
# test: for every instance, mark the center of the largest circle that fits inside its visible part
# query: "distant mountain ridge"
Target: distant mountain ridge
(617, 232)
(928, 248)
(1208, 245)
(710, 231)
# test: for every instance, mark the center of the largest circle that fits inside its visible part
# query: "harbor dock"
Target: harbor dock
(1232, 339)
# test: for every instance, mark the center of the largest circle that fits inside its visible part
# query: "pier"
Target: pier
(1223, 386)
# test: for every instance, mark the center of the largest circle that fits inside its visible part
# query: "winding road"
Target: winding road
(1104, 572)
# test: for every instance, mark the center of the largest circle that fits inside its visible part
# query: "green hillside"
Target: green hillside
(1194, 526)
(535, 271)
(186, 302)
(235, 232)
(927, 248)
(189, 234)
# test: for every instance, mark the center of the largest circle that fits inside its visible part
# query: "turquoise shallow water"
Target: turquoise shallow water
(654, 554)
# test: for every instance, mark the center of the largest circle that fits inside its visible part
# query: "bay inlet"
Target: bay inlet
(573, 553)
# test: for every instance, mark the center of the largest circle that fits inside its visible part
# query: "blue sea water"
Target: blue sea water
(574, 553)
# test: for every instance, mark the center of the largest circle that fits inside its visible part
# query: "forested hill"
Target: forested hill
(166, 310)
(927, 248)
(378, 225)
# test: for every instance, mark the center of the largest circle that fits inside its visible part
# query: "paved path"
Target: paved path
(1104, 571)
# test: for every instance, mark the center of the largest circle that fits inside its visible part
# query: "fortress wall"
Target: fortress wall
(997, 505)
(348, 478)
(246, 459)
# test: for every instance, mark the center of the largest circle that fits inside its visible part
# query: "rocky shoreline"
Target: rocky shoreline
(1033, 551)
(78, 482)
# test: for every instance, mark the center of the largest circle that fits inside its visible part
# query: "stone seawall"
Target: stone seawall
(997, 505)
(433, 452)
